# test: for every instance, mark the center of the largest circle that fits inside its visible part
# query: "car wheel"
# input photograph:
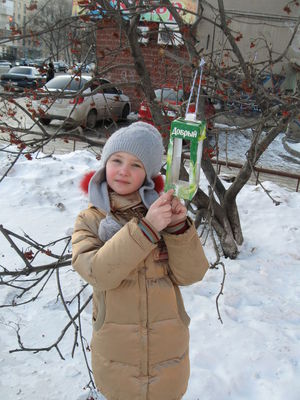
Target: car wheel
(45, 121)
(91, 119)
(125, 112)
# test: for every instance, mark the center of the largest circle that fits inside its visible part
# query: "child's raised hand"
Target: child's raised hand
(160, 212)
(179, 211)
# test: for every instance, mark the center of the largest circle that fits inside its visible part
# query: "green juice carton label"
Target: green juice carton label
(193, 132)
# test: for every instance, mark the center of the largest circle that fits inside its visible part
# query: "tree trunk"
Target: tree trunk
(142, 71)
(215, 214)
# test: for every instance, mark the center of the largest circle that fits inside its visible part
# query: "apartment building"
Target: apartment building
(265, 24)
(262, 28)
(6, 19)
(24, 11)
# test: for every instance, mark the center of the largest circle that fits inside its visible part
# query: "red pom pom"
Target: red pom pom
(159, 183)
(84, 183)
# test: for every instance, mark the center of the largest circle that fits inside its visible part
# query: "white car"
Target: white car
(83, 109)
(5, 66)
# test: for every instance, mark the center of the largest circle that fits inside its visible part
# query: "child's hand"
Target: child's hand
(179, 211)
(160, 212)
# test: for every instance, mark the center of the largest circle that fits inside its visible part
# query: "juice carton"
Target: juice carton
(194, 131)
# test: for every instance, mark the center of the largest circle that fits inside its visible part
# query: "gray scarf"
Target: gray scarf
(99, 197)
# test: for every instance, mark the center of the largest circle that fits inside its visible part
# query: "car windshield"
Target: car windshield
(23, 71)
(66, 83)
(167, 94)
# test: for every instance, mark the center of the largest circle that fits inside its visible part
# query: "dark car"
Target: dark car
(6, 62)
(60, 66)
(19, 78)
(40, 63)
(22, 61)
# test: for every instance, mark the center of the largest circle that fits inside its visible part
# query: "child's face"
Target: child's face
(125, 173)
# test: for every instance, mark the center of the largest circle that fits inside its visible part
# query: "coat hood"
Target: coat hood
(98, 191)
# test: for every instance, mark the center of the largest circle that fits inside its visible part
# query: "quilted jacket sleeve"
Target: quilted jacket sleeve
(106, 265)
(187, 260)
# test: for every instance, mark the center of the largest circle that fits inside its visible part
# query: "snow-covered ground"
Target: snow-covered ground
(295, 146)
(253, 355)
(234, 146)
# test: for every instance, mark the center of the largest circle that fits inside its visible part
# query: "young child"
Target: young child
(135, 248)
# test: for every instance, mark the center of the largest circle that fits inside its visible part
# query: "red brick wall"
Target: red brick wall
(112, 50)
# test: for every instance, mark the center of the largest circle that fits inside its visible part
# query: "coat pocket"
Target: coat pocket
(180, 307)
(99, 310)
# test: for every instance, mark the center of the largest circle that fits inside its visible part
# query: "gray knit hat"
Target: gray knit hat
(140, 139)
(144, 142)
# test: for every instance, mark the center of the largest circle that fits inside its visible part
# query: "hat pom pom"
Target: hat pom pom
(84, 183)
(159, 183)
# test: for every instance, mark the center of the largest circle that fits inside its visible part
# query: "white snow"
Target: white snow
(295, 146)
(237, 144)
(253, 355)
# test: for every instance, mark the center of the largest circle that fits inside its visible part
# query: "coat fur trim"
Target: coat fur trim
(84, 183)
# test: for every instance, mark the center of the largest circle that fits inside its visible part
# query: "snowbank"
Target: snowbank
(253, 355)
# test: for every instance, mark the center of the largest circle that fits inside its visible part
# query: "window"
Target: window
(111, 90)
(65, 83)
(142, 32)
(169, 35)
(20, 70)
(108, 90)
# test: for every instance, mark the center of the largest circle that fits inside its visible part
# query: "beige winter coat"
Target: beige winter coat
(140, 343)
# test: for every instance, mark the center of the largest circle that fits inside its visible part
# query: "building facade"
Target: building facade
(260, 26)
(7, 50)
(263, 30)
(27, 46)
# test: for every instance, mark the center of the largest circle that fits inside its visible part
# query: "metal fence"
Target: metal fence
(259, 170)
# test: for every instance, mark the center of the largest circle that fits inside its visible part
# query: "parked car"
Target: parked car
(5, 66)
(19, 78)
(56, 66)
(175, 98)
(40, 63)
(6, 62)
(84, 110)
(83, 67)
(21, 62)
(62, 66)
